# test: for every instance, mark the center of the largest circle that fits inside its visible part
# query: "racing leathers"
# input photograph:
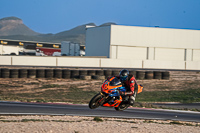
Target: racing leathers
(131, 88)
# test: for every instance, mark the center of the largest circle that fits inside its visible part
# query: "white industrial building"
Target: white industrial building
(151, 47)
(119, 46)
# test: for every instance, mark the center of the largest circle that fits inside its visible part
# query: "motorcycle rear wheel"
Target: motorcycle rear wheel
(122, 107)
(95, 101)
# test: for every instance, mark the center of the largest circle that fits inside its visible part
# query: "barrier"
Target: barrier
(133, 73)
(140, 74)
(57, 73)
(82, 74)
(99, 72)
(74, 73)
(149, 75)
(23, 73)
(5, 73)
(31, 73)
(97, 62)
(98, 77)
(91, 72)
(85, 77)
(40, 73)
(165, 75)
(14, 73)
(5, 60)
(48, 73)
(66, 74)
(107, 73)
(157, 75)
(115, 72)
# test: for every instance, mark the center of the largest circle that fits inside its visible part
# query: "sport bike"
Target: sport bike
(110, 95)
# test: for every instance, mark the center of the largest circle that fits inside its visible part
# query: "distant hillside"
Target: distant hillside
(75, 31)
(13, 28)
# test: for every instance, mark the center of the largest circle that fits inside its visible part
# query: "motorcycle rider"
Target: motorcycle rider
(129, 82)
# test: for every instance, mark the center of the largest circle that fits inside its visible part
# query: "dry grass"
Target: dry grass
(81, 91)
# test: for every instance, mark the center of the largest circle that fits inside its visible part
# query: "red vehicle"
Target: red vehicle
(47, 51)
(110, 95)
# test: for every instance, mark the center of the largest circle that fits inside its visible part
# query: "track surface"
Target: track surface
(179, 105)
(83, 110)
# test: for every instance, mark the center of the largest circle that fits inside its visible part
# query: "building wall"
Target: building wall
(153, 64)
(149, 43)
(155, 47)
(155, 37)
(133, 53)
(169, 54)
(98, 41)
(196, 55)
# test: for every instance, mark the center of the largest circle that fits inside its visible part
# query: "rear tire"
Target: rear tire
(122, 107)
(94, 102)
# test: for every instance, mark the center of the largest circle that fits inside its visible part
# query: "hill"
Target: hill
(13, 28)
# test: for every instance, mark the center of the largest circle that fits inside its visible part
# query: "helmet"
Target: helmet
(123, 75)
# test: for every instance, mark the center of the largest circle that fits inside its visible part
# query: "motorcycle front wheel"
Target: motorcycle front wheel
(122, 107)
(96, 101)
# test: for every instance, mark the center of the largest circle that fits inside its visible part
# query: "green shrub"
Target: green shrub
(98, 119)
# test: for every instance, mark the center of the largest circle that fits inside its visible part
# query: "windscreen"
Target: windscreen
(115, 82)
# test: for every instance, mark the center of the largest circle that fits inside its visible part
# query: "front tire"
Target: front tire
(95, 102)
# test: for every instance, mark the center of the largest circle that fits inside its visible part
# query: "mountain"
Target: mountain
(13, 28)
(75, 31)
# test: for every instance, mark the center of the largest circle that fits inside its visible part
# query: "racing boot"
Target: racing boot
(125, 99)
(131, 100)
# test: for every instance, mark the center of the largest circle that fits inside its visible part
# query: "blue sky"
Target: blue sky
(53, 16)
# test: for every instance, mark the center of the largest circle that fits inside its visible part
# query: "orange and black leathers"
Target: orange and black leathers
(131, 85)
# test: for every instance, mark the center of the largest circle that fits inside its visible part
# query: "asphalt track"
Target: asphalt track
(179, 105)
(17, 108)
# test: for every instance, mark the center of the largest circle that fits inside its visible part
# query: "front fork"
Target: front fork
(103, 99)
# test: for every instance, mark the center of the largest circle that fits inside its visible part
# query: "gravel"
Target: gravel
(76, 124)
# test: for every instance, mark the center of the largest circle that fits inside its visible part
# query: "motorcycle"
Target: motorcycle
(110, 95)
